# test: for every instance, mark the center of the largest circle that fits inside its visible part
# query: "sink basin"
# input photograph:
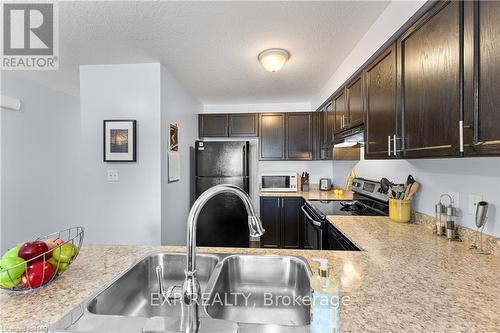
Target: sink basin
(261, 290)
(130, 294)
(125, 304)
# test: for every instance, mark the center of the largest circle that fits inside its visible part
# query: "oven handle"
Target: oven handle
(316, 223)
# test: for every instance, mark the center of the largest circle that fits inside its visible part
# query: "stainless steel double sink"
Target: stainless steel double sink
(241, 293)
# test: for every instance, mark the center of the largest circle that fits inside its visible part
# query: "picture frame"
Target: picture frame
(120, 140)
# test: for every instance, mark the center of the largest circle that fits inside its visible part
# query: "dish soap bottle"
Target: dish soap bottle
(325, 302)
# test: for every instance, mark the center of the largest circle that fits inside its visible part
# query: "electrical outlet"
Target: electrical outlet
(113, 175)
(473, 200)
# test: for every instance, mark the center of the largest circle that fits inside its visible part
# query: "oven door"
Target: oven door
(313, 231)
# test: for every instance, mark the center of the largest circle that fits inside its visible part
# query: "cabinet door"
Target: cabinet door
(329, 123)
(272, 137)
(292, 222)
(243, 125)
(340, 112)
(484, 120)
(354, 95)
(428, 75)
(270, 215)
(213, 125)
(380, 104)
(299, 140)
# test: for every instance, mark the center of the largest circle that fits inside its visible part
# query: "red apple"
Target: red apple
(31, 250)
(53, 242)
(37, 274)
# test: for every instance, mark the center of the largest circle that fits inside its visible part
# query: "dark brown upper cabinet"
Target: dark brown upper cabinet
(355, 110)
(244, 125)
(213, 125)
(272, 136)
(299, 136)
(482, 69)
(340, 111)
(232, 125)
(286, 136)
(329, 124)
(380, 105)
(429, 83)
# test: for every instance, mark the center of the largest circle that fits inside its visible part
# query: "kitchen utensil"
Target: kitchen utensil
(481, 219)
(385, 184)
(413, 190)
(447, 215)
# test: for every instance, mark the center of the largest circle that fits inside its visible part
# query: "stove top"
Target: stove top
(352, 208)
(369, 200)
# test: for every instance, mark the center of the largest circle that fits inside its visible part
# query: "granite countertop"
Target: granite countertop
(313, 194)
(405, 280)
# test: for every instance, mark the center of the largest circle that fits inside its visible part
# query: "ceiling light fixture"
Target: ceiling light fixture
(273, 59)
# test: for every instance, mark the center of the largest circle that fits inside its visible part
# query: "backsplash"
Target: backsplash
(464, 176)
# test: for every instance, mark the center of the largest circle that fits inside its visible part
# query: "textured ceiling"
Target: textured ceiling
(212, 47)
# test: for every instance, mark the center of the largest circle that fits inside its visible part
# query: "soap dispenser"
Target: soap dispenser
(325, 302)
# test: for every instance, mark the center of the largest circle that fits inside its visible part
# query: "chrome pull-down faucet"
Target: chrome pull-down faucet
(190, 320)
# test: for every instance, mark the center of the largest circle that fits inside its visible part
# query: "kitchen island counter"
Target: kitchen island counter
(405, 280)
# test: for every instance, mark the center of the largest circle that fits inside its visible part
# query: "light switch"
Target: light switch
(113, 175)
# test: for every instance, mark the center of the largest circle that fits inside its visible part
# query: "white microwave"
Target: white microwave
(279, 182)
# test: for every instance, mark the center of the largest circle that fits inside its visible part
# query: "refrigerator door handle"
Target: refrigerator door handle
(245, 172)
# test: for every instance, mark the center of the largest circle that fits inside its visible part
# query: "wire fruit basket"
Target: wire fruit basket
(37, 263)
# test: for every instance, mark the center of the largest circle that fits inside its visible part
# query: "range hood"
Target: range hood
(348, 145)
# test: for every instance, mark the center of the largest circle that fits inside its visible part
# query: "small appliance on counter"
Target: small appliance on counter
(279, 182)
(325, 184)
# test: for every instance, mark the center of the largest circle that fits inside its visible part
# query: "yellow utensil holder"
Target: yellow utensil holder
(399, 210)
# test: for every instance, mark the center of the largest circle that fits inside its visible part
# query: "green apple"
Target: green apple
(11, 269)
(9, 284)
(12, 252)
(59, 266)
(64, 253)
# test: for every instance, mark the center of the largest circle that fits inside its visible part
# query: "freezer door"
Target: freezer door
(222, 159)
(223, 222)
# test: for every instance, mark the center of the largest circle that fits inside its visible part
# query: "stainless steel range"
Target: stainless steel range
(368, 200)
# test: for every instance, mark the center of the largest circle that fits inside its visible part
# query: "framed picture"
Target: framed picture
(120, 141)
(174, 137)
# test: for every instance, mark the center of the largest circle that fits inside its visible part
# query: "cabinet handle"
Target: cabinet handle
(389, 145)
(461, 135)
(395, 146)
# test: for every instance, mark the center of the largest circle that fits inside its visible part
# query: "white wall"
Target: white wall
(39, 154)
(177, 106)
(465, 176)
(389, 22)
(262, 107)
(129, 211)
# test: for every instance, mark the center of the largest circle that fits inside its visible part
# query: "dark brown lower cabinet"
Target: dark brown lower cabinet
(283, 220)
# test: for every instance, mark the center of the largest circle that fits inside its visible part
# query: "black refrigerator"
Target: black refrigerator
(223, 222)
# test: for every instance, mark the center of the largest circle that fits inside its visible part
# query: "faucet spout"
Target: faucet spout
(191, 287)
